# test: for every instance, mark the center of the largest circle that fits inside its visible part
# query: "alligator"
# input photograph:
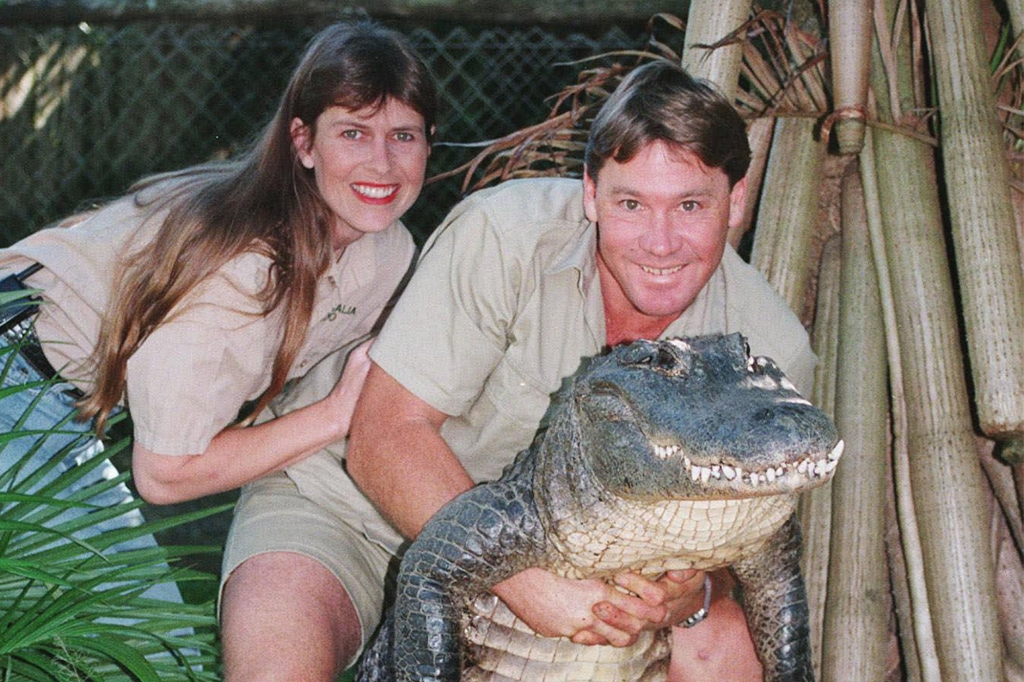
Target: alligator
(658, 455)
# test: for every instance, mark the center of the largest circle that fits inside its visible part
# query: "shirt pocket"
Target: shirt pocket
(517, 396)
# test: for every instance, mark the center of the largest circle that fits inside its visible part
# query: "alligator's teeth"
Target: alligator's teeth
(753, 480)
(770, 475)
(837, 451)
(830, 466)
(695, 473)
(780, 471)
(716, 471)
(802, 466)
(705, 474)
(728, 472)
(687, 462)
(819, 467)
(750, 364)
(739, 472)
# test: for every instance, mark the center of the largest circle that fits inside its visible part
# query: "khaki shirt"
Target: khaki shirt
(505, 303)
(192, 375)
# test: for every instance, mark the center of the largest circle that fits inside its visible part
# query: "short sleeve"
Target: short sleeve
(190, 377)
(450, 327)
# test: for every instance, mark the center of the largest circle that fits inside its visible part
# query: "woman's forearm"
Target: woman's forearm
(237, 456)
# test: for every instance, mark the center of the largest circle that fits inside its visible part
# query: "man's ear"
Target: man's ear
(589, 196)
(737, 202)
(302, 140)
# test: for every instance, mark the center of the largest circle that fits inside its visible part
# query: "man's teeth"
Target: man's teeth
(806, 467)
(661, 271)
(375, 192)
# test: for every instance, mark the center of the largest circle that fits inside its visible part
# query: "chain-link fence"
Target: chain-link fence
(86, 109)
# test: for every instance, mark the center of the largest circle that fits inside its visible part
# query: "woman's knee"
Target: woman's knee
(292, 605)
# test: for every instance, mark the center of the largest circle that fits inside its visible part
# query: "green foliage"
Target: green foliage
(72, 601)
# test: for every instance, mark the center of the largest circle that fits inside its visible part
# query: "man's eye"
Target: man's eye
(630, 204)
(689, 206)
(351, 134)
(405, 137)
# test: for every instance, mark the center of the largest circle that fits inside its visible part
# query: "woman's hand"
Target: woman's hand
(588, 611)
(346, 392)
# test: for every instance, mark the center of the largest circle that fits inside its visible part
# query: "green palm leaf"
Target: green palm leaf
(73, 603)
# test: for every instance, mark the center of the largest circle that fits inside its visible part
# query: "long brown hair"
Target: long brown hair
(265, 201)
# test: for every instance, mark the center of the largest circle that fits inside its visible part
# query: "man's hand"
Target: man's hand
(681, 593)
(594, 612)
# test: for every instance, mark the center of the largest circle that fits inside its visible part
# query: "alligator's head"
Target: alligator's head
(699, 418)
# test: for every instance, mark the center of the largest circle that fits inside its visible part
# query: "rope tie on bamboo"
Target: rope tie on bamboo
(703, 612)
(855, 112)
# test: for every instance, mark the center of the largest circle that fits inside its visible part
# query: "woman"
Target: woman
(196, 298)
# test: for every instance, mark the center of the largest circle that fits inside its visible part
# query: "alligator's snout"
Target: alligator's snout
(699, 418)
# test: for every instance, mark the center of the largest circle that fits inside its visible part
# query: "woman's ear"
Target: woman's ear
(302, 140)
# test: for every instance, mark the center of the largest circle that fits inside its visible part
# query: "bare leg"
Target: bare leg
(717, 649)
(286, 618)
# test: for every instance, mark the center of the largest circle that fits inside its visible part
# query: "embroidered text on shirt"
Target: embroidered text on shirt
(340, 309)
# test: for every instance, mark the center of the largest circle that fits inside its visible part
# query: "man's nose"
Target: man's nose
(661, 236)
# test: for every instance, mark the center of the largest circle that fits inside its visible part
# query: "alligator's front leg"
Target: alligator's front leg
(479, 539)
(775, 601)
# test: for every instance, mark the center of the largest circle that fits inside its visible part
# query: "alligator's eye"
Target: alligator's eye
(671, 361)
(665, 360)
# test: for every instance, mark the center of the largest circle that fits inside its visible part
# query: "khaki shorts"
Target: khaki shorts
(273, 516)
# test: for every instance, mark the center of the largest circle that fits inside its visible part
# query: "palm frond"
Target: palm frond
(74, 601)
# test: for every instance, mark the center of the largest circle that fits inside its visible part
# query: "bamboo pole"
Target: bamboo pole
(709, 21)
(788, 215)
(1016, 10)
(857, 609)
(849, 35)
(816, 505)
(989, 271)
(945, 476)
(906, 555)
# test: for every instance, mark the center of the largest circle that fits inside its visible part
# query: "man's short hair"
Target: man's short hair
(661, 101)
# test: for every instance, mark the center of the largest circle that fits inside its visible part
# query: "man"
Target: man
(522, 282)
